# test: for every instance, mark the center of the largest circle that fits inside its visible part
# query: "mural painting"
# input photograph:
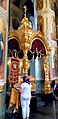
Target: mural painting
(55, 62)
(2, 48)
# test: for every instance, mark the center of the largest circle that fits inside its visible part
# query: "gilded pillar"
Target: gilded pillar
(47, 75)
(25, 63)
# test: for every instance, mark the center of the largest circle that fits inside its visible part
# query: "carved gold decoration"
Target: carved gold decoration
(26, 31)
(47, 86)
(9, 61)
(20, 65)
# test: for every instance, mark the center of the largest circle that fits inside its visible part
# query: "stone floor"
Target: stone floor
(49, 111)
(43, 111)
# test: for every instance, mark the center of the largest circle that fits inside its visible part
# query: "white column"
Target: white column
(32, 67)
(38, 72)
(37, 68)
(44, 17)
(49, 28)
(32, 21)
(35, 15)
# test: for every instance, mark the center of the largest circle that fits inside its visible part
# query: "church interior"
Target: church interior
(29, 46)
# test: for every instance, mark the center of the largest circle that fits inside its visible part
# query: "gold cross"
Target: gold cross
(25, 9)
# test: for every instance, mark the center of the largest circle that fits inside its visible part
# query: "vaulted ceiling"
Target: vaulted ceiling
(29, 4)
(21, 3)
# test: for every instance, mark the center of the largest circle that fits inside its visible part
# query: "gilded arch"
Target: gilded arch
(38, 35)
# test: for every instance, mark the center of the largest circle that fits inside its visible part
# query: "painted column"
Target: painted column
(3, 53)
